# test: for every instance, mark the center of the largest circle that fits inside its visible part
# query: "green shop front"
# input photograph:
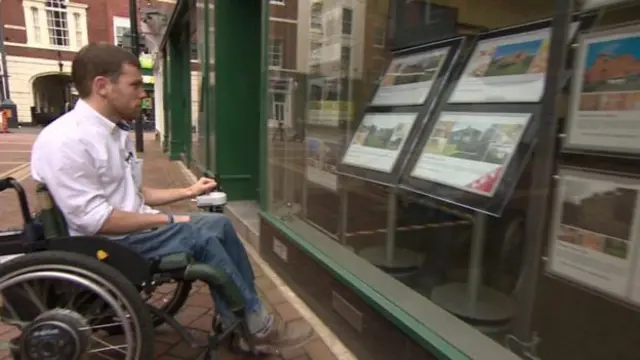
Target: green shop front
(435, 179)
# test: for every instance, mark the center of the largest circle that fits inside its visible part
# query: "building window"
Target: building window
(121, 27)
(77, 23)
(57, 22)
(316, 51)
(278, 103)
(345, 57)
(378, 36)
(316, 16)
(276, 49)
(35, 17)
(347, 21)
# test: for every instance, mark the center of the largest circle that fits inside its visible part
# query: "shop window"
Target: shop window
(415, 250)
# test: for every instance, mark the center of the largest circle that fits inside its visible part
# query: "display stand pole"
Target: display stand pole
(475, 261)
(472, 301)
(543, 167)
(396, 261)
(344, 203)
(392, 212)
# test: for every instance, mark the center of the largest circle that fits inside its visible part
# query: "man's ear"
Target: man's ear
(101, 85)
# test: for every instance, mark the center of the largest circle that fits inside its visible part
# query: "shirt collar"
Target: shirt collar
(102, 121)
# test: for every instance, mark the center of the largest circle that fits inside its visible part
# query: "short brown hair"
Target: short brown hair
(95, 60)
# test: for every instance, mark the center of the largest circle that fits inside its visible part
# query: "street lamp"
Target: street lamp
(63, 83)
(5, 95)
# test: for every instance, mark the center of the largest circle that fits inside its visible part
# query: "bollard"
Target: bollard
(5, 122)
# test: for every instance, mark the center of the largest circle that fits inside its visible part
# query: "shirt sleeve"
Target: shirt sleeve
(72, 179)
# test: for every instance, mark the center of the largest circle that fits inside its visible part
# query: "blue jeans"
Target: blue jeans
(211, 239)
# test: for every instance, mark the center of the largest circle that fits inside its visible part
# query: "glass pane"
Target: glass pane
(320, 86)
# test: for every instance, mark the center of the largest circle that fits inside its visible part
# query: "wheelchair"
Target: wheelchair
(65, 296)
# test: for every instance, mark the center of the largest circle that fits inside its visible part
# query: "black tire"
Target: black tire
(96, 271)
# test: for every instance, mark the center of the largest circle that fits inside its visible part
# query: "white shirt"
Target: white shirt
(90, 168)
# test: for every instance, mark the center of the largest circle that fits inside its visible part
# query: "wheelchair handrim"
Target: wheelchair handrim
(48, 271)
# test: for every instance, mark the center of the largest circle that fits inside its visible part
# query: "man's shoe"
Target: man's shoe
(285, 335)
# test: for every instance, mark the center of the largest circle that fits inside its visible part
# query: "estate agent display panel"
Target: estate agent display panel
(402, 103)
(605, 98)
(507, 66)
(468, 157)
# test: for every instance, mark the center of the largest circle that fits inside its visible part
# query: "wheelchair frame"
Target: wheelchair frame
(145, 275)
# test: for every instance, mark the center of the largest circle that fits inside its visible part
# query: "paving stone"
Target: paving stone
(287, 312)
(318, 350)
(275, 297)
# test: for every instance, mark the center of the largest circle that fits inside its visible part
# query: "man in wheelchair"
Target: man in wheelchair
(87, 162)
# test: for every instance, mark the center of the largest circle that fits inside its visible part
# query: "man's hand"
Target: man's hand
(181, 219)
(203, 186)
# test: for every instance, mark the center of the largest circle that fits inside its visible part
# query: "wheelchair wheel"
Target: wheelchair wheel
(57, 303)
(169, 298)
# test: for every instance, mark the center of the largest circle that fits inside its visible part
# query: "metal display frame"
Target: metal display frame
(491, 205)
(471, 300)
(567, 145)
(423, 113)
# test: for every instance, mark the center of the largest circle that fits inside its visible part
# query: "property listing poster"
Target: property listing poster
(378, 141)
(507, 69)
(595, 232)
(409, 79)
(470, 151)
(605, 100)
(322, 158)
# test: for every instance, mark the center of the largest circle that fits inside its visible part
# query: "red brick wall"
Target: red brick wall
(100, 15)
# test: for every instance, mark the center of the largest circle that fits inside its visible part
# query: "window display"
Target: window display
(470, 151)
(605, 99)
(595, 232)
(378, 140)
(409, 79)
(506, 69)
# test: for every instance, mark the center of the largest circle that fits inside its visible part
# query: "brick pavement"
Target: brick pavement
(198, 311)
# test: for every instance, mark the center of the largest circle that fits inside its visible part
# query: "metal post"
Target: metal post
(133, 18)
(543, 168)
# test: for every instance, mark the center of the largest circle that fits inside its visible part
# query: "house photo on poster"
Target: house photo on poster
(506, 69)
(409, 79)
(595, 231)
(605, 98)
(322, 157)
(471, 151)
(378, 141)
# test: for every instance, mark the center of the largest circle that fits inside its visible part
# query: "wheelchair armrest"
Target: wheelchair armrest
(173, 262)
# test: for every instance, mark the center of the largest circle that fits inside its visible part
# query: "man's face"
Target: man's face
(125, 95)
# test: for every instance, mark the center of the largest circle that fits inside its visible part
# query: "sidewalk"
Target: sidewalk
(198, 311)
(160, 172)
